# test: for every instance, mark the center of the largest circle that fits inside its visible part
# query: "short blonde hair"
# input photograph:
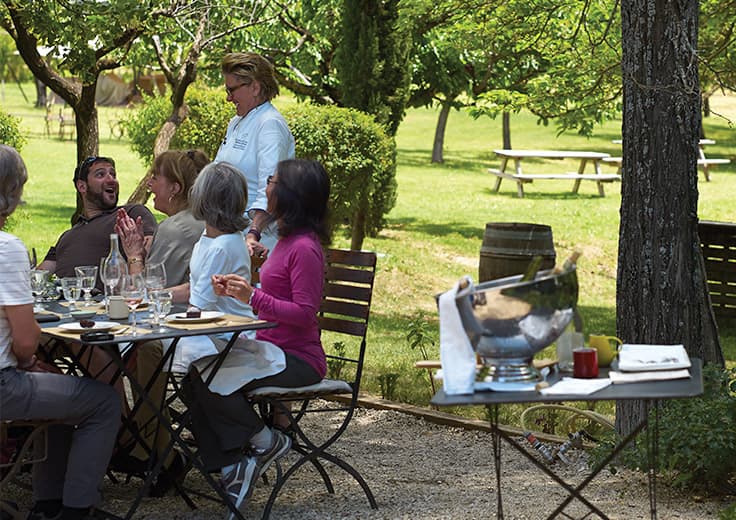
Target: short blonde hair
(13, 175)
(249, 67)
(181, 167)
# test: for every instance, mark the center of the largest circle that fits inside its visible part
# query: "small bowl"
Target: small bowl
(82, 315)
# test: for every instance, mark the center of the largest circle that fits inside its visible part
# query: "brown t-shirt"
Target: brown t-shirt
(88, 241)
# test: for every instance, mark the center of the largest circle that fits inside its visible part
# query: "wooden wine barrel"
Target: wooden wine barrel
(508, 247)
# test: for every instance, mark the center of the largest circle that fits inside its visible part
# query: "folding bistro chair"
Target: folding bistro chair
(20, 452)
(343, 314)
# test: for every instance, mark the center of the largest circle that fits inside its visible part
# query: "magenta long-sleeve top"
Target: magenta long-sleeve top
(290, 294)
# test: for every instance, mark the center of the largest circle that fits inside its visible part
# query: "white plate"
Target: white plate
(205, 317)
(640, 358)
(99, 325)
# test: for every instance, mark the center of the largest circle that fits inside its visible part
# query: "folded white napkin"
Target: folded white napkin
(658, 375)
(573, 386)
(456, 353)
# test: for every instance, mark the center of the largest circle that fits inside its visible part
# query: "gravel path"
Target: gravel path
(417, 469)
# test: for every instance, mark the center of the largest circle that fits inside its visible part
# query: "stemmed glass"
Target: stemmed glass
(71, 288)
(155, 276)
(161, 308)
(133, 290)
(111, 275)
(87, 276)
(39, 282)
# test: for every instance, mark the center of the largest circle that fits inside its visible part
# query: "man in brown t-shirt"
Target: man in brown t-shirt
(86, 243)
(88, 240)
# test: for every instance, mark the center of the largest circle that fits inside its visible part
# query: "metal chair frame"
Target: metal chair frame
(345, 309)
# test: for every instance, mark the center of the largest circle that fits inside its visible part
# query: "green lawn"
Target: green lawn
(435, 231)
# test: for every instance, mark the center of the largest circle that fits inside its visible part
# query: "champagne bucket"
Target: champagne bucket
(508, 321)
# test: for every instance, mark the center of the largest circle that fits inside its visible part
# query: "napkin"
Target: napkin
(249, 359)
(575, 386)
(456, 353)
(659, 375)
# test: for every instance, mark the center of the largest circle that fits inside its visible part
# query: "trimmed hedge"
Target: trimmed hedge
(356, 151)
(10, 131)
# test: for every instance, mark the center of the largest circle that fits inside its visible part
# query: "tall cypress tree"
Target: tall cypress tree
(374, 60)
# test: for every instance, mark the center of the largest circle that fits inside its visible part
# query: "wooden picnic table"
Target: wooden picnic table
(521, 178)
(703, 162)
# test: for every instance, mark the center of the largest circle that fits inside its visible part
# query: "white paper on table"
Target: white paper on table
(645, 358)
(636, 377)
(575, 386)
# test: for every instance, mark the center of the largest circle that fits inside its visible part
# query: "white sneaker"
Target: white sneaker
(279, 447)
(239, 483)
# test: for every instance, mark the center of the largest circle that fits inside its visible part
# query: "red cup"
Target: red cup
(585, 363)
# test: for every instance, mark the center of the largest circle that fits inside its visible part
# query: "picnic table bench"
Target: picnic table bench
(521, 178)
(704, 163)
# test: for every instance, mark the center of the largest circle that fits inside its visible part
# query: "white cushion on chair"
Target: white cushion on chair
(324, 387)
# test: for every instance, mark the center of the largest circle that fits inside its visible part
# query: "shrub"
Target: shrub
(10, 131)
(697, 437)
(360, 158)
(203, 128)
(356, 151)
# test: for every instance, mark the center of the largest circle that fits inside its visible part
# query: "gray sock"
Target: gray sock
(263, 439)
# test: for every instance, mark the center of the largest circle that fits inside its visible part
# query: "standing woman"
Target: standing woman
(226, 426)
(65, 485)
(257, 137)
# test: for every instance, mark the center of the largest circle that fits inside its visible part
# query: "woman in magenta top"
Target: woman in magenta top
(232, 437)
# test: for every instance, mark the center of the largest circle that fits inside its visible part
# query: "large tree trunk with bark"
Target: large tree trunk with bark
(439, 133)
(661, 294)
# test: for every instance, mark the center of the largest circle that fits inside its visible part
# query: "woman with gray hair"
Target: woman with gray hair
(217, 198)
(65, 484)
(257, 137)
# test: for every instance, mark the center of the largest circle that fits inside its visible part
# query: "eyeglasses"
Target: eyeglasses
(84, 165)
(231, 90)
(270, 180)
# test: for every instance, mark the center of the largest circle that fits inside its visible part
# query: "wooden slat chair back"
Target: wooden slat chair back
(343, 316)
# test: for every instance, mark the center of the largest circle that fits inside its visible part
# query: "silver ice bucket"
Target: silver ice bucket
(508, 321)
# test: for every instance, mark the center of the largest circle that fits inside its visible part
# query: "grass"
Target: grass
(434, 233)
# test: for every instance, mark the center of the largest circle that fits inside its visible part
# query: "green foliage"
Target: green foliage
(361, 161)
(421, 335)
(697, 437)
(204, 127)
(373, 60)
(336, 364)
(728, 514)
(10, 133)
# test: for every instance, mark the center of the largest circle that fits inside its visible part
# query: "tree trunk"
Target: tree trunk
(358, 232)
(40, 94)
(660, 295)
(88, 132)
(439, 133)
(506, 130)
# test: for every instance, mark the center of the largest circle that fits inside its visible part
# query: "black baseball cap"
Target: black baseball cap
(81, 171)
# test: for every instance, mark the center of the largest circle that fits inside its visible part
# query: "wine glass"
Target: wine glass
(132, 290)
(72, 290)
(161, 308)
(39, 281)
(111, 274)
(155, 275)
(87, 275)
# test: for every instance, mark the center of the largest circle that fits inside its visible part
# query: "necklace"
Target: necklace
(224, 140)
